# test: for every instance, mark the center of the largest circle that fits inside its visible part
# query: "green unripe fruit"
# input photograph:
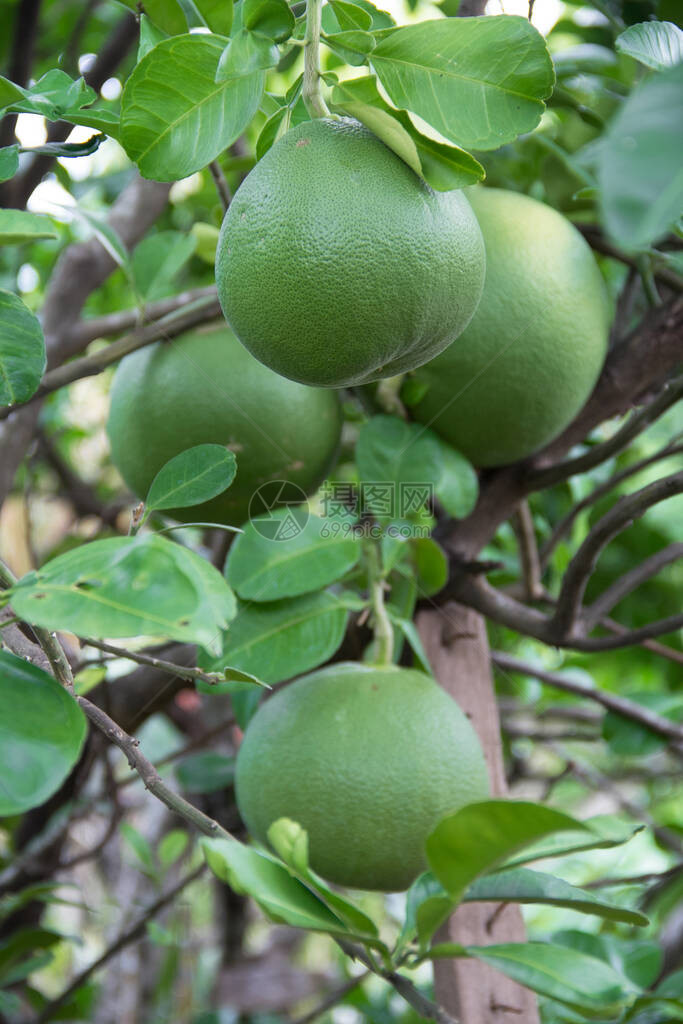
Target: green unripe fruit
(338, 265)
(367, 760)
(204, 387)
(533, 352)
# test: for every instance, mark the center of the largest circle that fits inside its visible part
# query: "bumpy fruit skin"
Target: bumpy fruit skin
(338, 265)
(533, 351)
(367, 760)
(204, 387)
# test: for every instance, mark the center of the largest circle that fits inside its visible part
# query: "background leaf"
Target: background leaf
(656, 44)
(17, 226)
(157, 260)
(261, 569)
(205, 772)
(283, 639)
(641, 197)
(401, 456)
(479, 81)
(22, 350)
(170, 132)
(42, 731)
(194, 476)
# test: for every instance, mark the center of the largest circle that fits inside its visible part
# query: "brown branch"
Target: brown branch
(80, 269)
(523, 525)
(624, 512)
(136, 931)
(617, 591)
(220, 183)
(183, 671)
(635, 425)
(332, 999)
(89, 366)
(597, 241)
(611, 701)
(23, 48)
(565, 524)
(81, 495)
(651, 645)
(106, 326)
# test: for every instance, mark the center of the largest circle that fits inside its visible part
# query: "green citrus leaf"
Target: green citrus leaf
(42, 730)
(17, 226)
(22, 350)
(479, 81)
(310, 557)
(206, 772)
(656, 44)
(170, 132)
(194, 476)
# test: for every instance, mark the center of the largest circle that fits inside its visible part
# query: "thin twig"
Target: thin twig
(167, 328)
(617, 591)
(332, 999)
(136, 931)
(221, 184)
(611, 701)
(622, 514)
(164, 666)
(597, 241)
(565, 524)
(599, 453)
(523, 526)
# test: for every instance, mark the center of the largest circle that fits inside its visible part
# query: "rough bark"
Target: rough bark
(455, 641)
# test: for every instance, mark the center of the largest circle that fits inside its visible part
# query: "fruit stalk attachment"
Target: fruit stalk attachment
(311, 93)
(381, 624)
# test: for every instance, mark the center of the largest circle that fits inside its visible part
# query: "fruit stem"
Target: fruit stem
(311, 93)
(381, 624)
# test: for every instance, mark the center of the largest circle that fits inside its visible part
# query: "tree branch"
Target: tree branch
(89, 366)
(523, 525)
(565, 524)
(611, 701)
(594, 613)
(597, 241)
(136, 931)
(621, 515)
(184, 671)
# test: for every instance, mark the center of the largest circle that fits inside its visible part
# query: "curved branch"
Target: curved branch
(564, 525)
(629, 582)
(599, 243)
(621, 515)
(612, 702)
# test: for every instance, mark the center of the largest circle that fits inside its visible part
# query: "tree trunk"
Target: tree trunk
(456, 644)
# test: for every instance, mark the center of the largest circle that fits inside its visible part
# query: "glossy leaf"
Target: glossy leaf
(9, 162)
(261, 569)
(656, 44)
(42, 730)
(125, 587)
(642, 195)
(350, 16)
(583, 983)
(246, 53)
(525, 886)
(217, 15)
(444, 167)
(22, 350)
(283, 639)
(17, 226)
(194, 476)
(458, 486)
(290, 842)
(597, 833)
(168, 15)
(170, 132)
(271, 18)
(481, 836)
(398, 463)
(282, 898)
(353, 47)
(479, 81)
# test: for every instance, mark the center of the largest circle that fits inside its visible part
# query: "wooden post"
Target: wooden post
(455, 640)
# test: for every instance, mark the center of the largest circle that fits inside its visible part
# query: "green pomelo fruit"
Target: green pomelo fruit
(203, 387)
(338, 265)
(367, 760)
(530, 358)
